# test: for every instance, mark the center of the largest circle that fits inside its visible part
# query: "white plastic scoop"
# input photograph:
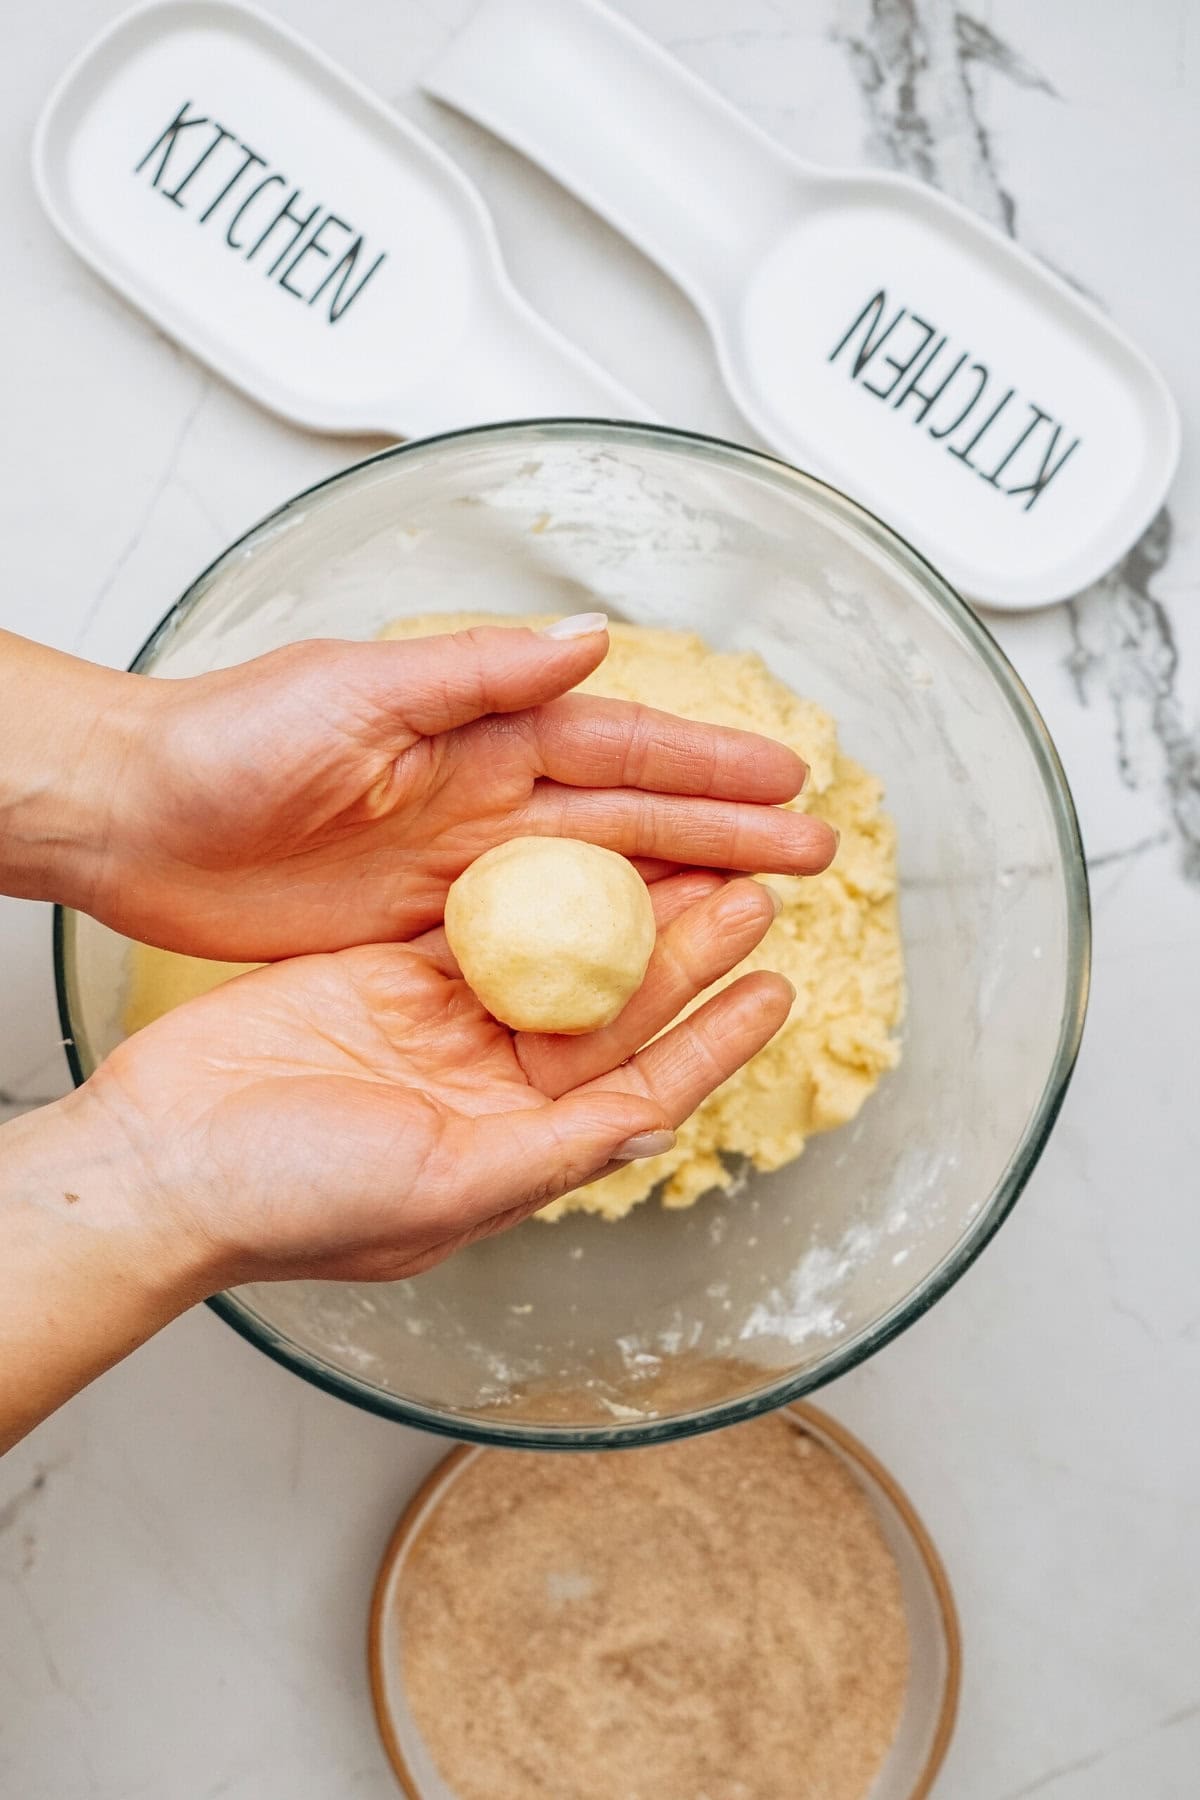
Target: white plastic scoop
(270, 213)
(872, 331)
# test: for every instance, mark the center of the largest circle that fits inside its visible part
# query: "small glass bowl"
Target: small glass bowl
(931, 1700)
(586, 1333)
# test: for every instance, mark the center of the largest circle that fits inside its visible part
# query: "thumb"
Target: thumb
(526, 1159)
(434, 684)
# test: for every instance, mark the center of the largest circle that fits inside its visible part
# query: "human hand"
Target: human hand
(328, 793)
(359, 1116)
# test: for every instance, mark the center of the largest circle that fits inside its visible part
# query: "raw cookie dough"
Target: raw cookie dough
(160, 980)
(837, 939)
(551, 934)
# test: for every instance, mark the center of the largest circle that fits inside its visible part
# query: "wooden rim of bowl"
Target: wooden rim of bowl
(851, 1448)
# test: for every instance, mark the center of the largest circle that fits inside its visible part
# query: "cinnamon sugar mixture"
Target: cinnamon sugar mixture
(718, 1619)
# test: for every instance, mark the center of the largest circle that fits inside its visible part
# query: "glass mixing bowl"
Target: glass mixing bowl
(593, 1333)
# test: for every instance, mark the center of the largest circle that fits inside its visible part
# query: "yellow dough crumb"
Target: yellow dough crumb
(837, 939)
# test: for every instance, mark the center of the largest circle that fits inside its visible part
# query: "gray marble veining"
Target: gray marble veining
(916, 68)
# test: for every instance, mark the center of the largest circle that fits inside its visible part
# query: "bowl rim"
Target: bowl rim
(991, 1214)
(864, 1461)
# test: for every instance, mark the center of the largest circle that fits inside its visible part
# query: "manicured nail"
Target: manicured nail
(646, 1143)
(578, 625)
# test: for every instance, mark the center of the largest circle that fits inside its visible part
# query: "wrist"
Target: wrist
(86, 1271)
(70, 734)
(76, 1187)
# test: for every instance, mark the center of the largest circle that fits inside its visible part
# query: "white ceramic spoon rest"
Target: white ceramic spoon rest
(276, 218)
(872, 331)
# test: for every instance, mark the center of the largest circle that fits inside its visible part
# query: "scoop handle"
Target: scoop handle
(621, 123)
(511, 365)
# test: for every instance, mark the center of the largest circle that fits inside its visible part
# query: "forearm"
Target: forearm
(86, 1272)
(67, 731)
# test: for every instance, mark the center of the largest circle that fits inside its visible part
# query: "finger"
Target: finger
(653, 868)
(433, 946)
(585, 741)
(430, 685)
(687, 1064)
(674, 894)
(692, 952)
(524, 1159)
(717, 834)
(669, 898)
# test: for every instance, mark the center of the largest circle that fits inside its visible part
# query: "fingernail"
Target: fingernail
(646, 1143)
(578, 625)
(744, 902)
(837, 838)
(807, 776)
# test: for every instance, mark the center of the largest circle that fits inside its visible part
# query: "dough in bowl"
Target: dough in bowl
(837, 939)
(551, 934)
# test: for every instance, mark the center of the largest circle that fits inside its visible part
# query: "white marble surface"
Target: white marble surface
(186, 1551)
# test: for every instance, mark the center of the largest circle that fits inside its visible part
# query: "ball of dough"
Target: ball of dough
(551, 934)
